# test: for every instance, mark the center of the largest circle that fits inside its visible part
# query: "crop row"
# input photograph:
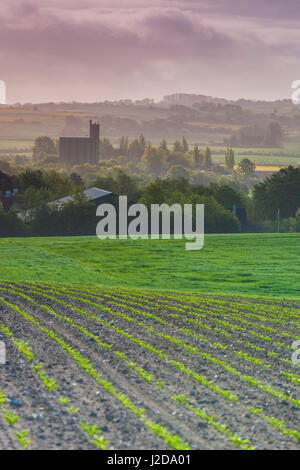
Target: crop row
(199, 324)
(233, 437)
(49, 383)
(193, 350)
(11, 419)
(173, 441)
(178, 365)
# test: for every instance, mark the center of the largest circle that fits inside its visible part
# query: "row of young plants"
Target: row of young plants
(92, 431)
(273, 312)
(228, 328)
(51, 385)
(227, 306)
(151, 330)
(207, 302)
(236, 440)
(216, 330)
(229, 310)
(222, 428)
(146, 376)
(155, 305)
(242, 355)
(189, 299)
(194, 350)
(172, 440)
(276, 423)
(11, 419)
(123, 316)
(182, 309)
(238, 316)
(155, 318)
(178, 365)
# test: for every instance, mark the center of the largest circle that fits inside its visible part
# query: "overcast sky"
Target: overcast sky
(92, 50)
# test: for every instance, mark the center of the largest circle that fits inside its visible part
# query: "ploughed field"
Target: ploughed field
(112, 368)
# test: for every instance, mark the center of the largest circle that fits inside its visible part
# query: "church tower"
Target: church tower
(94, 138)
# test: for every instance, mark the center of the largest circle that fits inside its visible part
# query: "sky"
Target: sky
(96, 50)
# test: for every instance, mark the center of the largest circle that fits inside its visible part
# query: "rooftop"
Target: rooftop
(92, 194)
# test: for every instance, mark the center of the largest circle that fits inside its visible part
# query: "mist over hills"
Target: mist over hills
(167, 101)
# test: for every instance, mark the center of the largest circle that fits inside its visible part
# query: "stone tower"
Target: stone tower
(80, 150)
(94, 137)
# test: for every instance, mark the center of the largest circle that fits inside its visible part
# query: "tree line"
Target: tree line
(140, 157)
(279, 192)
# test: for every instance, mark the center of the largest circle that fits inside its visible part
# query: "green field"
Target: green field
(261, 160)
(249, 264)
(119, 367)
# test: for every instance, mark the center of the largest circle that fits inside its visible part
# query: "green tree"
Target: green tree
(274, 135)
(198, 157)
(49, 160)
(33, 198)
(106, 149)
(177, 172)
(6, 167)
(152, 160)
(216, 218)
(229, 159)
(75, 217)
(10, 224)
(120, 184)
(227, 196)
(294, 222)
(154, 193)
(76, 179)
(177, 158)
(127, 185)
(164, 146)
(135, 150)
(42, 147)
(177, 147)
(124, 145)
(28, 178)
(185, 146)
(142, 144)
(58, 185)
(207, 159)
(279, 191)
(246, 168)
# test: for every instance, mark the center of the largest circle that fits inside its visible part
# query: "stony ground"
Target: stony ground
(107, 368)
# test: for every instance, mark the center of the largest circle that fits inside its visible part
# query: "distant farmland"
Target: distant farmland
(127, 369)
(20, 126)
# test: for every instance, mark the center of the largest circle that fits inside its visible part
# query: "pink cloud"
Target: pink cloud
(91, 50)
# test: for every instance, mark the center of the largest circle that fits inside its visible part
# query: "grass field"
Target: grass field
(249, 264)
